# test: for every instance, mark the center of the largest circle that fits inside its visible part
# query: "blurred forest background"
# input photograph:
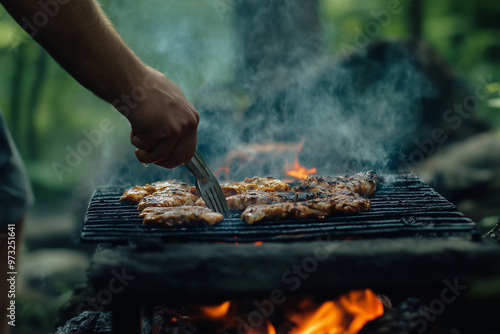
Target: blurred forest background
(192, 42)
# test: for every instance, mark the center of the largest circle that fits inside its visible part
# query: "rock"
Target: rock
(466, 164)
(88, 323)
(401, 319)
(82, 295)
(467, 173)
(495, 232)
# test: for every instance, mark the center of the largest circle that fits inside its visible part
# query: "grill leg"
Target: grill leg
(127, 318)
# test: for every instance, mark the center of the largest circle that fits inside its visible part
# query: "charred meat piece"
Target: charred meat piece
(226, 190)
(362, 183)
(136, 193)
(320, 208)
(200, 202)
(241, 201)
(170, 184)
(267, 184)
(168, 197)
(180, 216)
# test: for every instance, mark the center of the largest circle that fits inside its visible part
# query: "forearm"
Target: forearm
(80, 37)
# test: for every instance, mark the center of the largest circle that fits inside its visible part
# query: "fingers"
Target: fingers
(182, 153)
(141, 144)
(167, 155)
(162, 151)
(164, 127)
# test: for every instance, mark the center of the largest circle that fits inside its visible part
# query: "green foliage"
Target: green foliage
(465, 33)
(39, 312)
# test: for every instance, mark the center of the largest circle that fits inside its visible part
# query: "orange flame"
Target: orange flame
(216, 311)
(225, 170)
(296, 170)
(270, 328)
(348, 314)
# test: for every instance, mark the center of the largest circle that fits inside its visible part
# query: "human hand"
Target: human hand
(164, 124)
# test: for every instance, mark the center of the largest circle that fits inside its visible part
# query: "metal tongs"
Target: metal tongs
(207, 185)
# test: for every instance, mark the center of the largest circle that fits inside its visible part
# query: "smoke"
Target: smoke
(257, 75)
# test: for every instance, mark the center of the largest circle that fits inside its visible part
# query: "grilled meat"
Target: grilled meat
(242, 201)
(200, 202)
(226, 190)
(362, 183)
(170, 203)
(180, 216)
(254, 184)
(136, 193)
(337, 203)
(170, 184)
(266, 183)
(168, 197)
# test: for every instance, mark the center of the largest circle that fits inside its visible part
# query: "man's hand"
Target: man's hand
(164, 124)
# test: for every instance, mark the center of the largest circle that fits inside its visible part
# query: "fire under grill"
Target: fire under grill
(404, 206)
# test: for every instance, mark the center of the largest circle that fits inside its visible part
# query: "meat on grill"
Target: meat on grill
(226, 190)
(343, 202)
(364, 183)
(241, 201)
(170, 203)
(168, 197)
(136, 193)
(179, 216)
(261, 184)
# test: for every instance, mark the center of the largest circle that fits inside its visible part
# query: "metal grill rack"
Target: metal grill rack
(402, 206)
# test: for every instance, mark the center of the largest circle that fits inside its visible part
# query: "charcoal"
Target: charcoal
(88, 323)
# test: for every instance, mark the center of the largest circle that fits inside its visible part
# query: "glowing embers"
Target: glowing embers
(346, 314)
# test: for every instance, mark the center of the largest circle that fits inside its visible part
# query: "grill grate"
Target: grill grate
(403, 207)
